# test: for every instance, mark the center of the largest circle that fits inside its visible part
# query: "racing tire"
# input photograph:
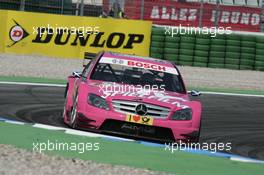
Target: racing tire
(232, 66)
(260, 39)
(202, 47)
(232, 61)
(235, 55)
(171, 39)
(207, 36)
(217, 60)
(248, 38)
(200, 59)
(216, 65)
(197, 140)
(185, 63)
(187, 46)
(199, 64)
(201, 53)
(246, 62)
(158, 31)
(233, 48)
(259, 52)
(246, 67)
(217, 54)
(260, 46)
(259, 63)
(203, 41)
(247, 56)
(73, 114)
(248, 44)
(170, 45)
(219, 36)
(188, 52)
(259, 68)
(248, 50)
(218, 41)
(187, 39)
(157, 38)
(171, 57)
(156, 55)
(186, 58)
(171, 51)
(232, 43)
(218, 48)
(65, 103)
(156, 50)
(233, 37)
(157, 44)
(259, 58)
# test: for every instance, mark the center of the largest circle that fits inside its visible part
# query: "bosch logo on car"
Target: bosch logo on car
(146, 65)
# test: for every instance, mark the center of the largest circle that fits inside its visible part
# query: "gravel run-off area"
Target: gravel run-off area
(18, 161)
(56, 68)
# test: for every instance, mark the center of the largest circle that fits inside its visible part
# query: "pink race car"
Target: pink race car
(132, 96)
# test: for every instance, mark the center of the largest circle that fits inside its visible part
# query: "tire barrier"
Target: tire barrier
(232, 51)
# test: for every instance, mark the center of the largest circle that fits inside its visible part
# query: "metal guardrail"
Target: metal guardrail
(67, 7)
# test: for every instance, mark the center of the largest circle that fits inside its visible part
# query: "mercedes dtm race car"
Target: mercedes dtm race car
(132, 96)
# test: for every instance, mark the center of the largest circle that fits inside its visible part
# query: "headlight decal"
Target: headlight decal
(182, 114)
(97, 101)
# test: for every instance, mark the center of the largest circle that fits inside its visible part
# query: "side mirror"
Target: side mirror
(76, 74)
(194, 93)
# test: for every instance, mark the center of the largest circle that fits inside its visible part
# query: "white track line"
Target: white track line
(245, 159)
(32, 84)
(231, 94)
(50, 127)
(78, 132)
(90, 134)
(15, 122)
(62, 85)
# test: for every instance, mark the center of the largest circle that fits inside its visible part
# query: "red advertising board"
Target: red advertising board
(169, 12)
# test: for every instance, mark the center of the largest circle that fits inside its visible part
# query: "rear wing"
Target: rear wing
(88, 56)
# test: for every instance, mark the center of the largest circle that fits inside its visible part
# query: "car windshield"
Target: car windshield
(137, 76)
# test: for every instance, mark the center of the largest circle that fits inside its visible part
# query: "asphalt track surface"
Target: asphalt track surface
(235, 119)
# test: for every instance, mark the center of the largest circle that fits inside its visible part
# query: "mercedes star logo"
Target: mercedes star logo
(141, 109)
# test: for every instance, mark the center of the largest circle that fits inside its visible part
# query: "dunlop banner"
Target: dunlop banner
(2, 30)
(71, 36)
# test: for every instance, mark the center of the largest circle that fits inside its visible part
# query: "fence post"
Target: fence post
(201, 13)
(115, 7)
(81, 7)
(142, 10)
(217, 13)
(22, 5)
(262, 17)
(62, 6)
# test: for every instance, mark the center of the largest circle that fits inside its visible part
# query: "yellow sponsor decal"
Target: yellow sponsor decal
(71, 36)
(145, 120)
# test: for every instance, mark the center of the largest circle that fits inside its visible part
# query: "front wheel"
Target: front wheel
(65, 105)
(73, 115)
